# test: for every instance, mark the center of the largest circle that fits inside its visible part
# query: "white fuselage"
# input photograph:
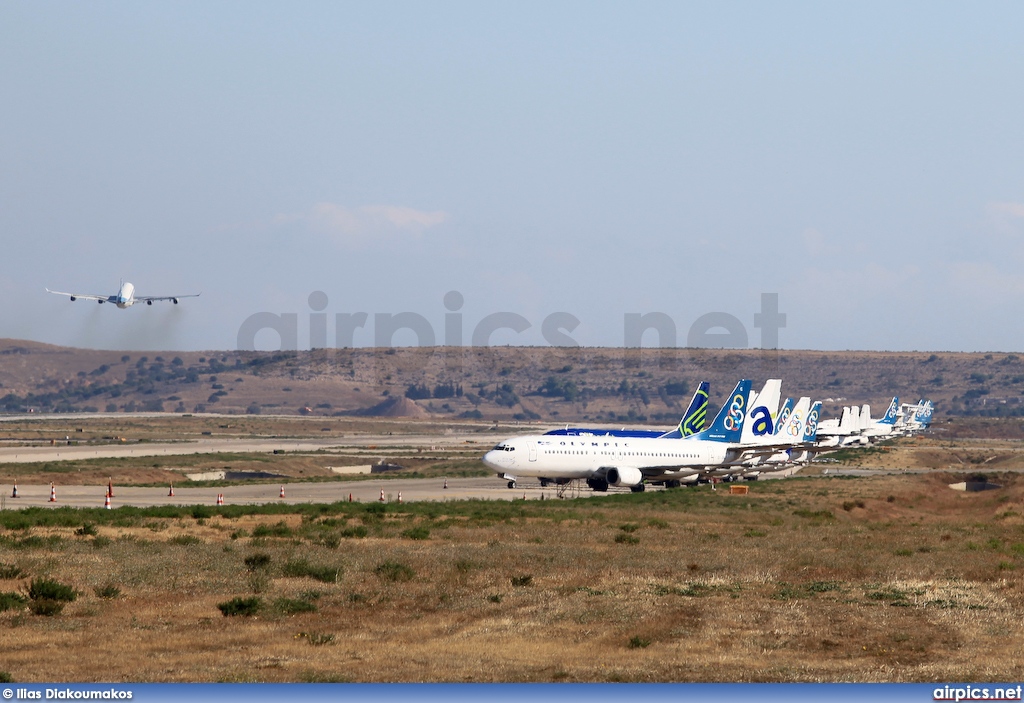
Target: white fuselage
(125, 297)
(566, 457)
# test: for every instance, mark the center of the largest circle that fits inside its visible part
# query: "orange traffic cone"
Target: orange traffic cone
(446, 484)
(106, 502)
(220, 499)
(382, 495)
(110, 487)
(53, 493)
(282, 492)
(170, 493)
(14, 493)
(399, 496)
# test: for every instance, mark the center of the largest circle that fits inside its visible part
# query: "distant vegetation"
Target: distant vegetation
(535, 383)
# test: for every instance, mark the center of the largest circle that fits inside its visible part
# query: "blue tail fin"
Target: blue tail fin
(728, 424)
(783, 417)
(924, 415)
(695, 416)
(811, 427)
(890, 415)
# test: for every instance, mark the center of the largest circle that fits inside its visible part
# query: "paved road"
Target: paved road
(241, 446)
(412, 489)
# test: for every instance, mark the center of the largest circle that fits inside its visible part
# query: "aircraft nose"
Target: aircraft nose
(491, 458)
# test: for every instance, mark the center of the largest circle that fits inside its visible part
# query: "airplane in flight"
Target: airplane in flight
(125, 297)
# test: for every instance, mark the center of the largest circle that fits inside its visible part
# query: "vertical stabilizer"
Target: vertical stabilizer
(696, 414)
(728, 424)
(784, 413)
(811, 426)
(761, 411)
(890, 414)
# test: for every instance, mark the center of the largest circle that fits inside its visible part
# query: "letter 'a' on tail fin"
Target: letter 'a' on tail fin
(728, 424)
(890, 415)
(811, 427)
(695, 416)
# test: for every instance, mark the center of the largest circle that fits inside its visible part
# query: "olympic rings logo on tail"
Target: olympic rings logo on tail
(794, 426)
(735, 417)
(784, 417)
(812, 423)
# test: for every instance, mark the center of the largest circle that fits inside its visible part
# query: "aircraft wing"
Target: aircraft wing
(83, 296)
(157, 298)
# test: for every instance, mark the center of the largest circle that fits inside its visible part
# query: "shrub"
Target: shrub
(815, 514)
(10, 571)
(418, 532)
(522, 580)
(295, 568)
(87, 529)
(299, 568)
(5, 677)
(326, 574)
(394, 571)
(46, 607)
(318, 639)
(185, 540)
(107, 591)
(244, 607)
(291, 606)
(280, 529)
(629, 527)
(359, 531)
(637, 642)
(625, 538)
(257, 561)
(48, 589)
(11, 601)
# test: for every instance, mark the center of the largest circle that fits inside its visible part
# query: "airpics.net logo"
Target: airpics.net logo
(977, 693)
(713, 330)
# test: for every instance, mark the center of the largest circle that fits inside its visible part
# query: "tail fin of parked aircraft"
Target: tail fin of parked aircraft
(761, 411)
(728, 424)
(783, 417)
(924, 415)
(695, 416)
(811, 426)
(890, 415)
(793, 430)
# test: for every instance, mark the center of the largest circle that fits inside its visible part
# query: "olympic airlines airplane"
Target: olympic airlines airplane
(125, 297)
(691, 423)
(605, 461)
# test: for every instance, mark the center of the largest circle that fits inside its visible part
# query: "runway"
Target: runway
(369, 491)
(76, 452)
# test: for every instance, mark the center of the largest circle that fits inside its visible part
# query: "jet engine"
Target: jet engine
(625, 477)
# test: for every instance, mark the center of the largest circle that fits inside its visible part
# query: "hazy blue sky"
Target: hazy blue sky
(865, 161)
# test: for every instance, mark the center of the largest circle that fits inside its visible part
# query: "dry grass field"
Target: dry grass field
(886, 578)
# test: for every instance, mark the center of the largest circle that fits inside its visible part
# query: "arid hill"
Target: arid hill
(524, 383)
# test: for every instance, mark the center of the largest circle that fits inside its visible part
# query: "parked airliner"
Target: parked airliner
(125, 297)
(623, 461)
